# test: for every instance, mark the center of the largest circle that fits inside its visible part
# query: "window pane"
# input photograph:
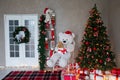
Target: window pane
(10, 22)
(16, 22)
(11, 54)
(11, 34)
(12, 47)
(26, 22)
(17, 54)
(11, 29)
(11, 41)
(16, 47)
(27, 54)
(27, 47)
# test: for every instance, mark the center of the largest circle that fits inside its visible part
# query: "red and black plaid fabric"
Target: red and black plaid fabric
(33, 75)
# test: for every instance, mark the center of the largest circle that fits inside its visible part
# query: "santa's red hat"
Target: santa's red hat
(45, 10)
(68, 32)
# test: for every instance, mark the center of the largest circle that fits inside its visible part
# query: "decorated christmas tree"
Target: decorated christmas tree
(95, 51)
(41, 44)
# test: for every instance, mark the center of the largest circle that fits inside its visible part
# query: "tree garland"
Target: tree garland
(21, 35)
(41, 44)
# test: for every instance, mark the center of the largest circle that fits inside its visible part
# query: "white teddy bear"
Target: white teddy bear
(67, 39)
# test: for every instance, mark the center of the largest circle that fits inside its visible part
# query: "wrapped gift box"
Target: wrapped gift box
(96, 77)
(69, 77)
(114, 77)
(115, 74)
(99, 75)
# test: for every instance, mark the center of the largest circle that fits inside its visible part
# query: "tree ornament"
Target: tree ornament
(100, 61)
(89, 49)
(52, 34)
(108, 59)
(47, 25)
(98, 21)
(43, 32)
(87, 43)
(95, 29)
(46, 43)
(21, 35)
(94, 48)
(95, 34)
(53, 19)
(51, 51)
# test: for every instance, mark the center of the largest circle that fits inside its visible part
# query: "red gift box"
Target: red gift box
(69, 77)
(115, 72)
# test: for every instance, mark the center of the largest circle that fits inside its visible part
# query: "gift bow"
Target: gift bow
(63, 51)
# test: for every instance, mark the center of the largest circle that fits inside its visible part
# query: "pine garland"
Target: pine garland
(41, 44)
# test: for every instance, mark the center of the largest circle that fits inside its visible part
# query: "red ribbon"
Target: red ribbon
(63, 51)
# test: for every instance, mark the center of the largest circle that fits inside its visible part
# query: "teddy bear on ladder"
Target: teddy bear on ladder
(63, 50)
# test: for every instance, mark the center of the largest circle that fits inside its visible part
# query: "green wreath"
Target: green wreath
(21, 35)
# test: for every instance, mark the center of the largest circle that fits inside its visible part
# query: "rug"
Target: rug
(33, 75)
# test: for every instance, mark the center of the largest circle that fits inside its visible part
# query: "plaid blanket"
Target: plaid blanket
(33, 75)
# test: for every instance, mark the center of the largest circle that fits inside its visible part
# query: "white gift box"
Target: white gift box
(114, 77)
(97, 77)
(91, 76)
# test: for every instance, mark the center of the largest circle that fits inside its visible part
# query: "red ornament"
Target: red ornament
(52, 34)
(95, 29)
(108, 59)
(53, 22)
(94, 48)
(89, 49)
(43, 32)
(100, 61)
(96, 34)
(78, 63)
(40, 19)
(53, 19)
(46, 43)
(47, 25)
(51, 52)
(87, 43)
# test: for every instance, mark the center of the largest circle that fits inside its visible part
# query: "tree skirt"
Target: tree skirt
(33, 75)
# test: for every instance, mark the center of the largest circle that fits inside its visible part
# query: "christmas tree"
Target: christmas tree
(95, 51)
(41, 44)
